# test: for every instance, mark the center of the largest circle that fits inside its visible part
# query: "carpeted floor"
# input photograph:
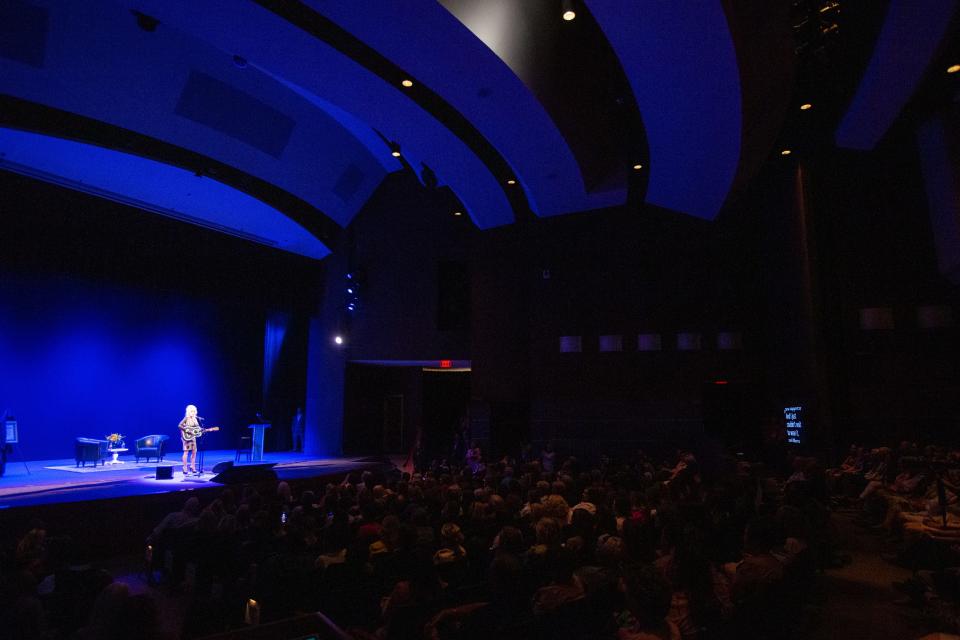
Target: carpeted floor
(858, 599)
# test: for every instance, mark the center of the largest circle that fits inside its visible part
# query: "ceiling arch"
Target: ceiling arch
(290, 51)
(682, 64)
(439, 50)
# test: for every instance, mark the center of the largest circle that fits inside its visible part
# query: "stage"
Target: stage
(56, 481)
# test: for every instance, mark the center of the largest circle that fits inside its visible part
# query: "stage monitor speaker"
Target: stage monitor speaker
(262, 472)
(164, 473)
(220, 467)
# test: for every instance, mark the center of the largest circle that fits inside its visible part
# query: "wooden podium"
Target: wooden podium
(256, 445)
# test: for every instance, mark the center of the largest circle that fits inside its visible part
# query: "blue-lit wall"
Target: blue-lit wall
(87, 359)
(113, 319)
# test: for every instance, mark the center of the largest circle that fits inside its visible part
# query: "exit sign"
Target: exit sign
(446, 364)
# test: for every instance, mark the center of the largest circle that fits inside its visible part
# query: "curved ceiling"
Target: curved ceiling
(462, 55)
(682, 65)
(912, 33)
(154, 186)
(306, 96)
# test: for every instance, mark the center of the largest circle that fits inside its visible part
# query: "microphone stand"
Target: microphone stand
(199, 450)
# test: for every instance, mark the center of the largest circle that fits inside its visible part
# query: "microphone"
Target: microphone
(201, 418)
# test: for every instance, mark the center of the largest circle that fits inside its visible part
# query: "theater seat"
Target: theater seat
(151, 447)
(90, 450)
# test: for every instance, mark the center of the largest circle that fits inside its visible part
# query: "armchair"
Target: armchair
(90, 450)
(151, 447)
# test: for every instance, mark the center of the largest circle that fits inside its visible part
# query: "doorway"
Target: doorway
(446, 399)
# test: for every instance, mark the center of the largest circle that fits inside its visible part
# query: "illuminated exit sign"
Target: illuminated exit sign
(446, 364)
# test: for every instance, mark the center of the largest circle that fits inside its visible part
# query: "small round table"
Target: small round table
(116, 454)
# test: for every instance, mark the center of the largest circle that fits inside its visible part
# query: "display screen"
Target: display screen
(11, 428)
(793, 420)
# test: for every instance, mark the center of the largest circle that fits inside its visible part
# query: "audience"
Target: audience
(670, 548)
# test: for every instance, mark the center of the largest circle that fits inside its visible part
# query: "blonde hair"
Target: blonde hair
(187, 411)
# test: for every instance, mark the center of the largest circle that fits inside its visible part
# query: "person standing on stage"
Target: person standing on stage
(296, 430)
(188, 429)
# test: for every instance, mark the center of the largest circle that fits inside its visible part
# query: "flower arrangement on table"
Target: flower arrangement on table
(116, 440)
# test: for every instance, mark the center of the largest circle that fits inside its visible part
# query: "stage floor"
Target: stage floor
(52, 481)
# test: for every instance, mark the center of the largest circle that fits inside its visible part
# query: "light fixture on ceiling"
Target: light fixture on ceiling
(407, 82)
(458, 213)
(568, 12)
(395, 149)
(338, 339)
(806, 106)
(511, 181)
(637, 167)
(953, 68)
(786, 152)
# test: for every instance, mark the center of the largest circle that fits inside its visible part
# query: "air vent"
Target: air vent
(690, 341)
(611, 343)
(649, 342)
(729, 341)
(239, 115)
(23, 32)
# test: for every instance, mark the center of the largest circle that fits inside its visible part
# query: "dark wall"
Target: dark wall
(787, 267)
(112, 319)
(371, 392)
(619, 271)
(876, 249)
(613, 272)
(397, 247)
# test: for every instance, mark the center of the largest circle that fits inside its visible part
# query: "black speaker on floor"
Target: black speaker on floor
(164, 473)
(220, 467)
(262, 472)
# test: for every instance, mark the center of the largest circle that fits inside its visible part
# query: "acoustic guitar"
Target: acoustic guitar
(192, 433)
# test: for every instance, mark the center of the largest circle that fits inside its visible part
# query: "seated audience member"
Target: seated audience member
(647, 598)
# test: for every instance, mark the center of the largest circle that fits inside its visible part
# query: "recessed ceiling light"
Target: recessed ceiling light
(569, 15)
(458, 213)
(786, 152)
(407, 82)
(395, 154)
(511, 181)
(637, 167)
(805, 106)
(953, 68)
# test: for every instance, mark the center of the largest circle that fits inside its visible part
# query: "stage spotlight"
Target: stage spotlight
(786, 152)
(953, 68)
(568, 12)
(349, 289)
(349, 276)
(637, 167)
(806, 106)
(395, 149)
(338, 339)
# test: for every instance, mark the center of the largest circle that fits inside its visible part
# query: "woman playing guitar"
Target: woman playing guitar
(190, 430)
